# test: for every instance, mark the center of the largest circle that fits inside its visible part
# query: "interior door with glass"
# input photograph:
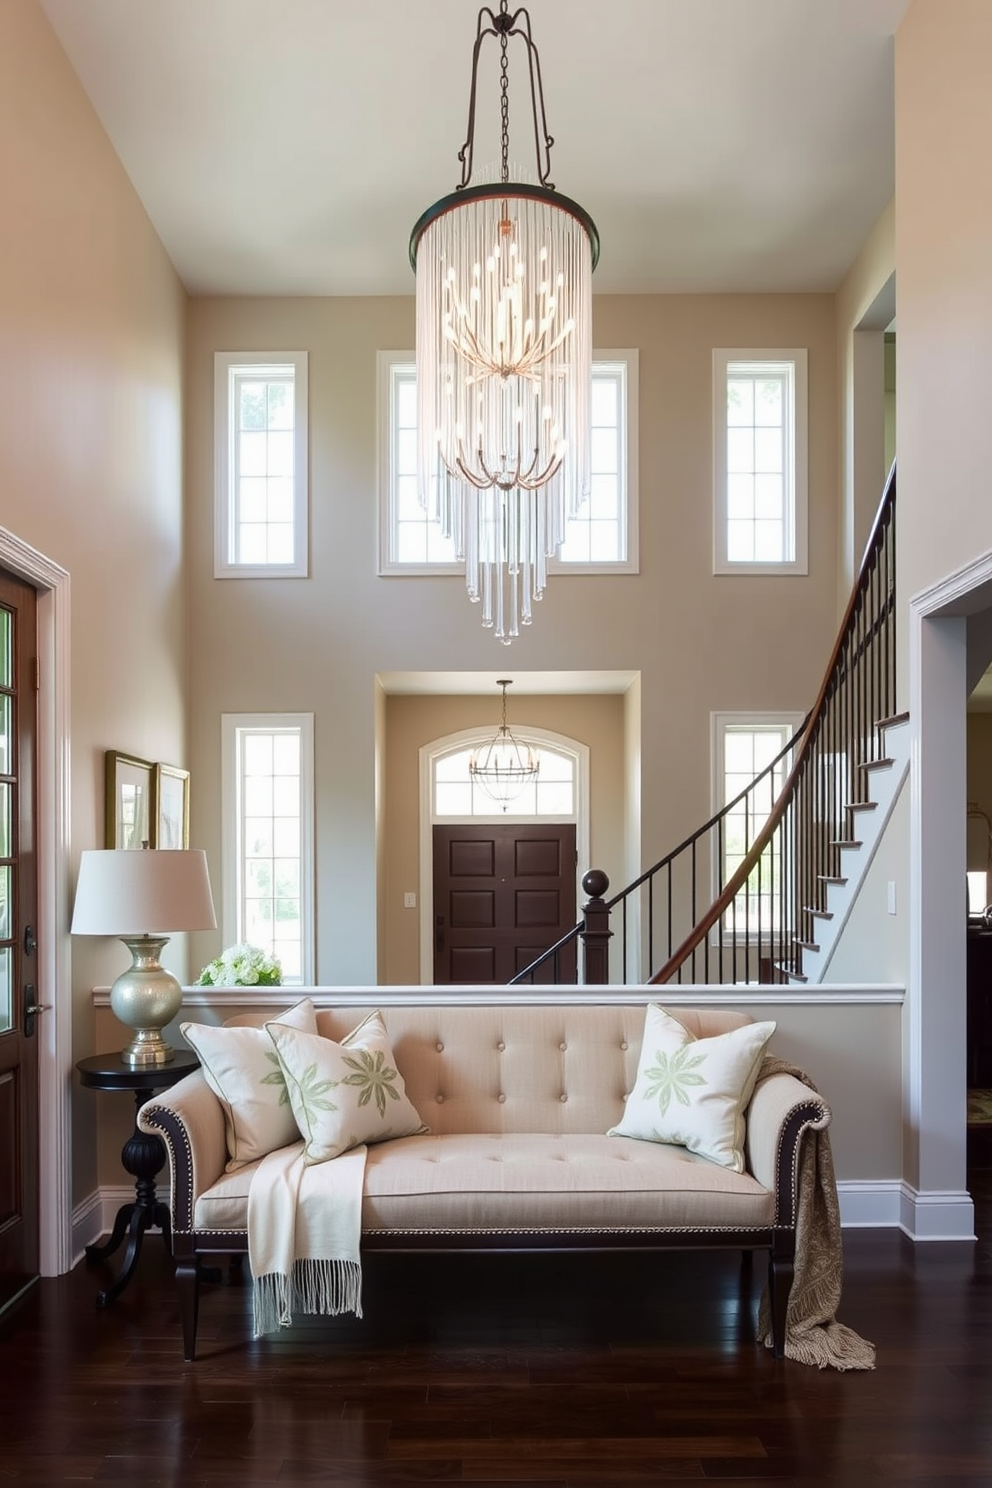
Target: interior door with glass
(18, 965)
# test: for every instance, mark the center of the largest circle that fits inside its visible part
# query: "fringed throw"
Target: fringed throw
(324, 1287)
(304, 1234)
(812, 1333)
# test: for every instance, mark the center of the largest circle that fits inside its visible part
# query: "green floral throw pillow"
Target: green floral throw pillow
(347, 1093)
(243, 1071)
(694, 1092)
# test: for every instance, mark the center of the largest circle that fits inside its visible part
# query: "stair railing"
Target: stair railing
(789, 828)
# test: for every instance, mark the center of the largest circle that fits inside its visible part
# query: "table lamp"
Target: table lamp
(136, 895)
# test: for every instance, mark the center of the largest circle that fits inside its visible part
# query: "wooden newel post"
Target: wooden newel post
(596, 934)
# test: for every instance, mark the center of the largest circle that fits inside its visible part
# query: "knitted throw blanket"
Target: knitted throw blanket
(812, 1333)
(304, 1233)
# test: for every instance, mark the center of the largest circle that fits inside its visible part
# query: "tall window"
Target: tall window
(260, 496)
(760, 460)
(268, 804)
(600, 538)
(744, 746)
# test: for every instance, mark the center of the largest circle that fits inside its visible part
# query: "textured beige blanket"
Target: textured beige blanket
(304, 1234)
(812, 1333)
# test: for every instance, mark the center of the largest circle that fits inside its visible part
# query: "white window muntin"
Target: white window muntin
(455, 796)
(742, 746)
(600, 538)
(261, 482)
(760, 460)
(410, 541)
(268, 837)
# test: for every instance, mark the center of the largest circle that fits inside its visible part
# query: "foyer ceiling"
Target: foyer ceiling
(287, 148)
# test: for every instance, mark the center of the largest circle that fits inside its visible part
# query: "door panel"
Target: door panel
(502, 895)
(471, 859)
(18, 975)
(472, 910)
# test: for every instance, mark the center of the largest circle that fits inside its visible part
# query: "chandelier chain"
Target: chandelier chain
(504, 103)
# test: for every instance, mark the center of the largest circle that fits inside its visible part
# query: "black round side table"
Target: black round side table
(142, 1155)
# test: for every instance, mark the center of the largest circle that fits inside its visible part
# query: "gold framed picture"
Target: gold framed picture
(128, 808)
(170, 812)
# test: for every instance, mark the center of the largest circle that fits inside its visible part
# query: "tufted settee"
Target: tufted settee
(518, 1100)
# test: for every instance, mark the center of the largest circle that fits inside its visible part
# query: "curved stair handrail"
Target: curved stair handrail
(859, 629)
(757, 922)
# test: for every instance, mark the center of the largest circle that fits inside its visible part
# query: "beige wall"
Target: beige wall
(92, 320)
(944, 240)
(864, 308)
(412, 722)
(699, 643)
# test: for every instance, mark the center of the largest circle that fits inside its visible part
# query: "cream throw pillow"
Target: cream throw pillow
(347, 1093)
(243, 1071)
(694, 1092)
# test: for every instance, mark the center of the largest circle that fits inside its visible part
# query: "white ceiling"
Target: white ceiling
(288, 146)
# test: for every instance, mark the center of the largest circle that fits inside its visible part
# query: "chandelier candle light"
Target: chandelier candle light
(505, 765)
(504, 358)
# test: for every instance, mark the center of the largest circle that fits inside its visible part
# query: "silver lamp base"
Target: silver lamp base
(145, 998)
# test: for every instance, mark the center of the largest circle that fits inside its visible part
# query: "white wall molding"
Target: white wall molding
(95, 1216)
(936, 1215)
(87, 1223)
(934, 1093)
(839, 995)
(870, 1205)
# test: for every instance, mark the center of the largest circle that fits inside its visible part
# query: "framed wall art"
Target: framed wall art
(170, 815)
(129, 790)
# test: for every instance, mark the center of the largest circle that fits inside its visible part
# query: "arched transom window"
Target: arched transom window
(457, 795)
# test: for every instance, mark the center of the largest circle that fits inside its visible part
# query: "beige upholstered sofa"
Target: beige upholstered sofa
(518, 1100)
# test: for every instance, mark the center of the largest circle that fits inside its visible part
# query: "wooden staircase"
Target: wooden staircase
(779, 916)
(884, 778)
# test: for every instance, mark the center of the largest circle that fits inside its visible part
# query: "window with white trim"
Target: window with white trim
(760, 462)
(600, 538)
(262, 465)
(268, 812)
(744, 746)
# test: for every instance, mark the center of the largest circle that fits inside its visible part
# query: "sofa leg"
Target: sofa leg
(188, 1287)
(781, 1265)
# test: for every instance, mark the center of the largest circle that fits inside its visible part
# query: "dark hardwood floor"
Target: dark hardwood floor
(529, 1370)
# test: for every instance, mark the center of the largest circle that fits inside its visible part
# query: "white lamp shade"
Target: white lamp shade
(142, 892)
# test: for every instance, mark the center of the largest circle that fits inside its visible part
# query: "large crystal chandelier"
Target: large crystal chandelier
(504, 358)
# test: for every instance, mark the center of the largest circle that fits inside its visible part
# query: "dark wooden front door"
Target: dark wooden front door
(18, 977)
(502, 895)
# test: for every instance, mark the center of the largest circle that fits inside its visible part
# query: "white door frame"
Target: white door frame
(482, 735)
(54, 977)
(935, 1202)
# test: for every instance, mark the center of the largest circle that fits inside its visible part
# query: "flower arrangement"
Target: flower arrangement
(242, 966)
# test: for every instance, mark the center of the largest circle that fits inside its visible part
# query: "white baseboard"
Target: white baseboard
(936, 1215)
(893, 1204)
(874, 1205)
(95, 1215)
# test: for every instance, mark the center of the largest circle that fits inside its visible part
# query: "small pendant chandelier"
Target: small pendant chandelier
(504, 358)
(505, 765)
